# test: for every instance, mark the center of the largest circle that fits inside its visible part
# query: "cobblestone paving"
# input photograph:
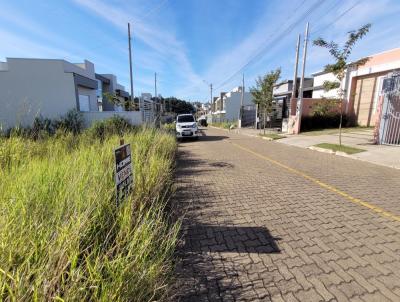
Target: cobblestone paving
(254, 231)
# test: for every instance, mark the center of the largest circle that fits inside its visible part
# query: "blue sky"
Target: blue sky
(188, 42)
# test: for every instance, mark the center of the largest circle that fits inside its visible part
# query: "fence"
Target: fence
(389, 125)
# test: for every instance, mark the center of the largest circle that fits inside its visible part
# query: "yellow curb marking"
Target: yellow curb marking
(323, 185)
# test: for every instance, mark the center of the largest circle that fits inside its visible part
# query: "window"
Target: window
(84, 102)
(185, 119)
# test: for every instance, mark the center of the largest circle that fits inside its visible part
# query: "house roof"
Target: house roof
(103, 79)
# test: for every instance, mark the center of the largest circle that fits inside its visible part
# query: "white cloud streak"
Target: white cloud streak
(161, 41)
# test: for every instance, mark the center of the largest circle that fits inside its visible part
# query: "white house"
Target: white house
(50, 88)
(227, 105)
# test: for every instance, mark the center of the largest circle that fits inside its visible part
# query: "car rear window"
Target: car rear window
(185, 119)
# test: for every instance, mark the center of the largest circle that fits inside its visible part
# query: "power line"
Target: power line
(261, 52)
(322, 28)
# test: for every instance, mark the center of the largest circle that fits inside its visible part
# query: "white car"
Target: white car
(186, 126)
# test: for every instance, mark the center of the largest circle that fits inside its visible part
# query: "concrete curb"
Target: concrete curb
(340, 153)
(343, 154)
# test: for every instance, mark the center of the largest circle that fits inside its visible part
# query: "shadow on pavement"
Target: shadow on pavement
(238, 239)
(204, 138)
(211, 259)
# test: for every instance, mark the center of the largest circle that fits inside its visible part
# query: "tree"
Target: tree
(178, 106)
(263, 95)
(116, 100)
(339, 68)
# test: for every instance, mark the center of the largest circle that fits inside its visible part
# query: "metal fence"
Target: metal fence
(389, 132)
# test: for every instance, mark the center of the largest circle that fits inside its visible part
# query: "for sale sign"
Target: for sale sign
(123, 172)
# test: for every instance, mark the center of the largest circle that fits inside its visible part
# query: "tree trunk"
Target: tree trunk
(265, 113)
(340, 122)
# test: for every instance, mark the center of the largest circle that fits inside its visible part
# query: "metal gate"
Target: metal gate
(389, 132)
(248, 116)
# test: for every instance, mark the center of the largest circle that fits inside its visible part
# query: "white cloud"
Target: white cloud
(15, 46)
(158, 39)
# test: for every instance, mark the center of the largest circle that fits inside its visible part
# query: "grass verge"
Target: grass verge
(272, 136)
(62, 237)
(342, 148)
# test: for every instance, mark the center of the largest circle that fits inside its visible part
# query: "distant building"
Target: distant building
(226, 107)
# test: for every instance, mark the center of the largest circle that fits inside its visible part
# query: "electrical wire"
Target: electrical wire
(336, 19)
(274, 42)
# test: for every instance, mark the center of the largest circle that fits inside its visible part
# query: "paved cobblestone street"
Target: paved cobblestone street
(270, 222)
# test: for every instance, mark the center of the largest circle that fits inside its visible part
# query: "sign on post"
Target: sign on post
(123, 172)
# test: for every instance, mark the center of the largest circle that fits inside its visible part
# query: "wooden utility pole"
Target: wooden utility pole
(130, 60)
(300, 98)
(296, 67)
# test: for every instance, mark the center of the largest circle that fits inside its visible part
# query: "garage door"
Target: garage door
(83, 102)
(364, 100)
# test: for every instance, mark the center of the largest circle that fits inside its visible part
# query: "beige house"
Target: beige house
(362, 85)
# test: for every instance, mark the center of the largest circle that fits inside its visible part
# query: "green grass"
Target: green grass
(273, 136)
(334, 131)
(342, 148)
(62, 237)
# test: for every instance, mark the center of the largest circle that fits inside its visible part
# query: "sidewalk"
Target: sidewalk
(388, 156)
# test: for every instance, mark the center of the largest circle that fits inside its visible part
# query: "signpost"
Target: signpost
(123, 172)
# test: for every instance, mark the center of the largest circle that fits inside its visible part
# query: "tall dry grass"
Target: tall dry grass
(62, 237)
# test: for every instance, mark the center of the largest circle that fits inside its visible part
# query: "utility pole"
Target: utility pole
(241, 104)
(300, 98)
(130, 60)
(296, 65)
(155, 96)
(211, 98)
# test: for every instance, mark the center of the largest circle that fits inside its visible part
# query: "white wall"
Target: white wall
(232, 104)
(134, 117)
(34, 87)
(319, 81)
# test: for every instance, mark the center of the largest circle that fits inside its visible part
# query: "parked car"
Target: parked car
(203, 122)
(186, 126)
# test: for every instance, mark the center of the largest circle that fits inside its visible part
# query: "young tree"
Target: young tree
(339, 68)
(263, 92)
(114, 99)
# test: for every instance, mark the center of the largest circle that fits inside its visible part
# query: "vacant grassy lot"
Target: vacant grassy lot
(62, 237)
(340, 148)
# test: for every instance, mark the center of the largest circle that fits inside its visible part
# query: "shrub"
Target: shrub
(45, 127)
(71, 122)
(112, 126)
(318, 121)
(169, 127)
